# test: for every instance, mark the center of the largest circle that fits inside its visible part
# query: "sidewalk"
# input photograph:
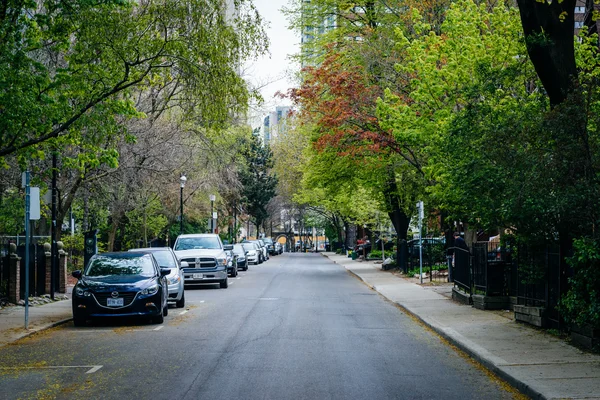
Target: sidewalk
(538, 364)
(12, 319)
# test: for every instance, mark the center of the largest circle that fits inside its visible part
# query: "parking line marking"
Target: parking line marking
(93, 368)
(96, 368)
(183, 312)
(158, 328)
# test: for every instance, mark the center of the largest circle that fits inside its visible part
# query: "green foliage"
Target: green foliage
(12, 214)
(70, 69)
(377, 254)
(258, 182)
(581, 304)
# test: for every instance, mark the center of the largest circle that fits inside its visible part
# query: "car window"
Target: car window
(210, 242)
(165, 258)
(121, 265)
(238, 248)
(248, 246)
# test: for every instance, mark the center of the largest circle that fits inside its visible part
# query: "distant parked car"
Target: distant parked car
(270, 245)
(253, 254)
(232, 267)
(262, 256)
(242, 262)
(123, 284)
(278, 248)
(166, 259)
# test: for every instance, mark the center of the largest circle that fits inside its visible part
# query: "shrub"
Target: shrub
(581, 303)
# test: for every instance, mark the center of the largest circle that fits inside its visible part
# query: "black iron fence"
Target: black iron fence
(434, 260)
(539, 280)
(532, 275)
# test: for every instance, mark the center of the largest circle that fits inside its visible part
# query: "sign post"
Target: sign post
(421, 215)
(90, 246)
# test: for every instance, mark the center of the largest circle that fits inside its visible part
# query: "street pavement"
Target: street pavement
(538, 364)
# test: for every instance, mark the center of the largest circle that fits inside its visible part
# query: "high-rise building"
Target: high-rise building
(275, 123)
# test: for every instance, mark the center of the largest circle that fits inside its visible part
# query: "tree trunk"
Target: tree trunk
(399, 219)
(112, 234)
(350, 235)
(549, 32)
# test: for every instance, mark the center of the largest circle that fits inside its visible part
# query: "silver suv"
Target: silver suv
(205, 256)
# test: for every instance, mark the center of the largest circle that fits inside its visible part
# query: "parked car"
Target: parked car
(206, 258)
(253, 254)
(166, 259)
(232, 266)
(242, 262)
(123, 284)
(260, 249)
(270, 246)
(278, 248)
(263, 246)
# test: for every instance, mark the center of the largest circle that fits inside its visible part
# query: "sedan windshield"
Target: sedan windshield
(121, 265)
(197, 243)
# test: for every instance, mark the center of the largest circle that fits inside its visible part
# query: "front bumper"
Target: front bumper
(140, 306)
(199, 276)
(175, 291)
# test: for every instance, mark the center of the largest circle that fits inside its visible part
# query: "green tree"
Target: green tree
(258, 184)
(67, 69)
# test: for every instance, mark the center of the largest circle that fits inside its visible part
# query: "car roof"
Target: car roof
(192, 235)
(123, 254)
(147, 249)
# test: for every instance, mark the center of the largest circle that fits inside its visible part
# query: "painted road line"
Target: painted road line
(91, 370)
(158, 328)
(183, 312)
(96, 368)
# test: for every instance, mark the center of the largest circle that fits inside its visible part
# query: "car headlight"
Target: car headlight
(222, 261)
(150, 290)
(174, 279)
(81, 292)
(252, 253)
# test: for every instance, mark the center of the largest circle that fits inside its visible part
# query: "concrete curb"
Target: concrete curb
(42, 328)
(471, 352)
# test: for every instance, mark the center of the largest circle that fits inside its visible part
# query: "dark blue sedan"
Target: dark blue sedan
(124, 284)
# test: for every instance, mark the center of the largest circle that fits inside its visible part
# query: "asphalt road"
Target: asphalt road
(296, 327)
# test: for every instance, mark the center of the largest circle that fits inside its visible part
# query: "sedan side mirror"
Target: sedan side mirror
(184, 264)
(165, 271)
(76, 274)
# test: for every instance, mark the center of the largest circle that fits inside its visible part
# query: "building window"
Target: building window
(579, 10)
(578, 24)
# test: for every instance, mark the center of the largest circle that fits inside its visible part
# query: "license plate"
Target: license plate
(114, 302)
(196, 276)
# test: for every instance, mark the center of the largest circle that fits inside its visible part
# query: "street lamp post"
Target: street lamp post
(212, 218)
(182, 180)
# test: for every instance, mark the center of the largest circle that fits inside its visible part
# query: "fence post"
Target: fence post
(62, 268)
(48, 268)
(14, 281)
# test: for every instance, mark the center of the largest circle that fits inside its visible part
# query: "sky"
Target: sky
(273, 72)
